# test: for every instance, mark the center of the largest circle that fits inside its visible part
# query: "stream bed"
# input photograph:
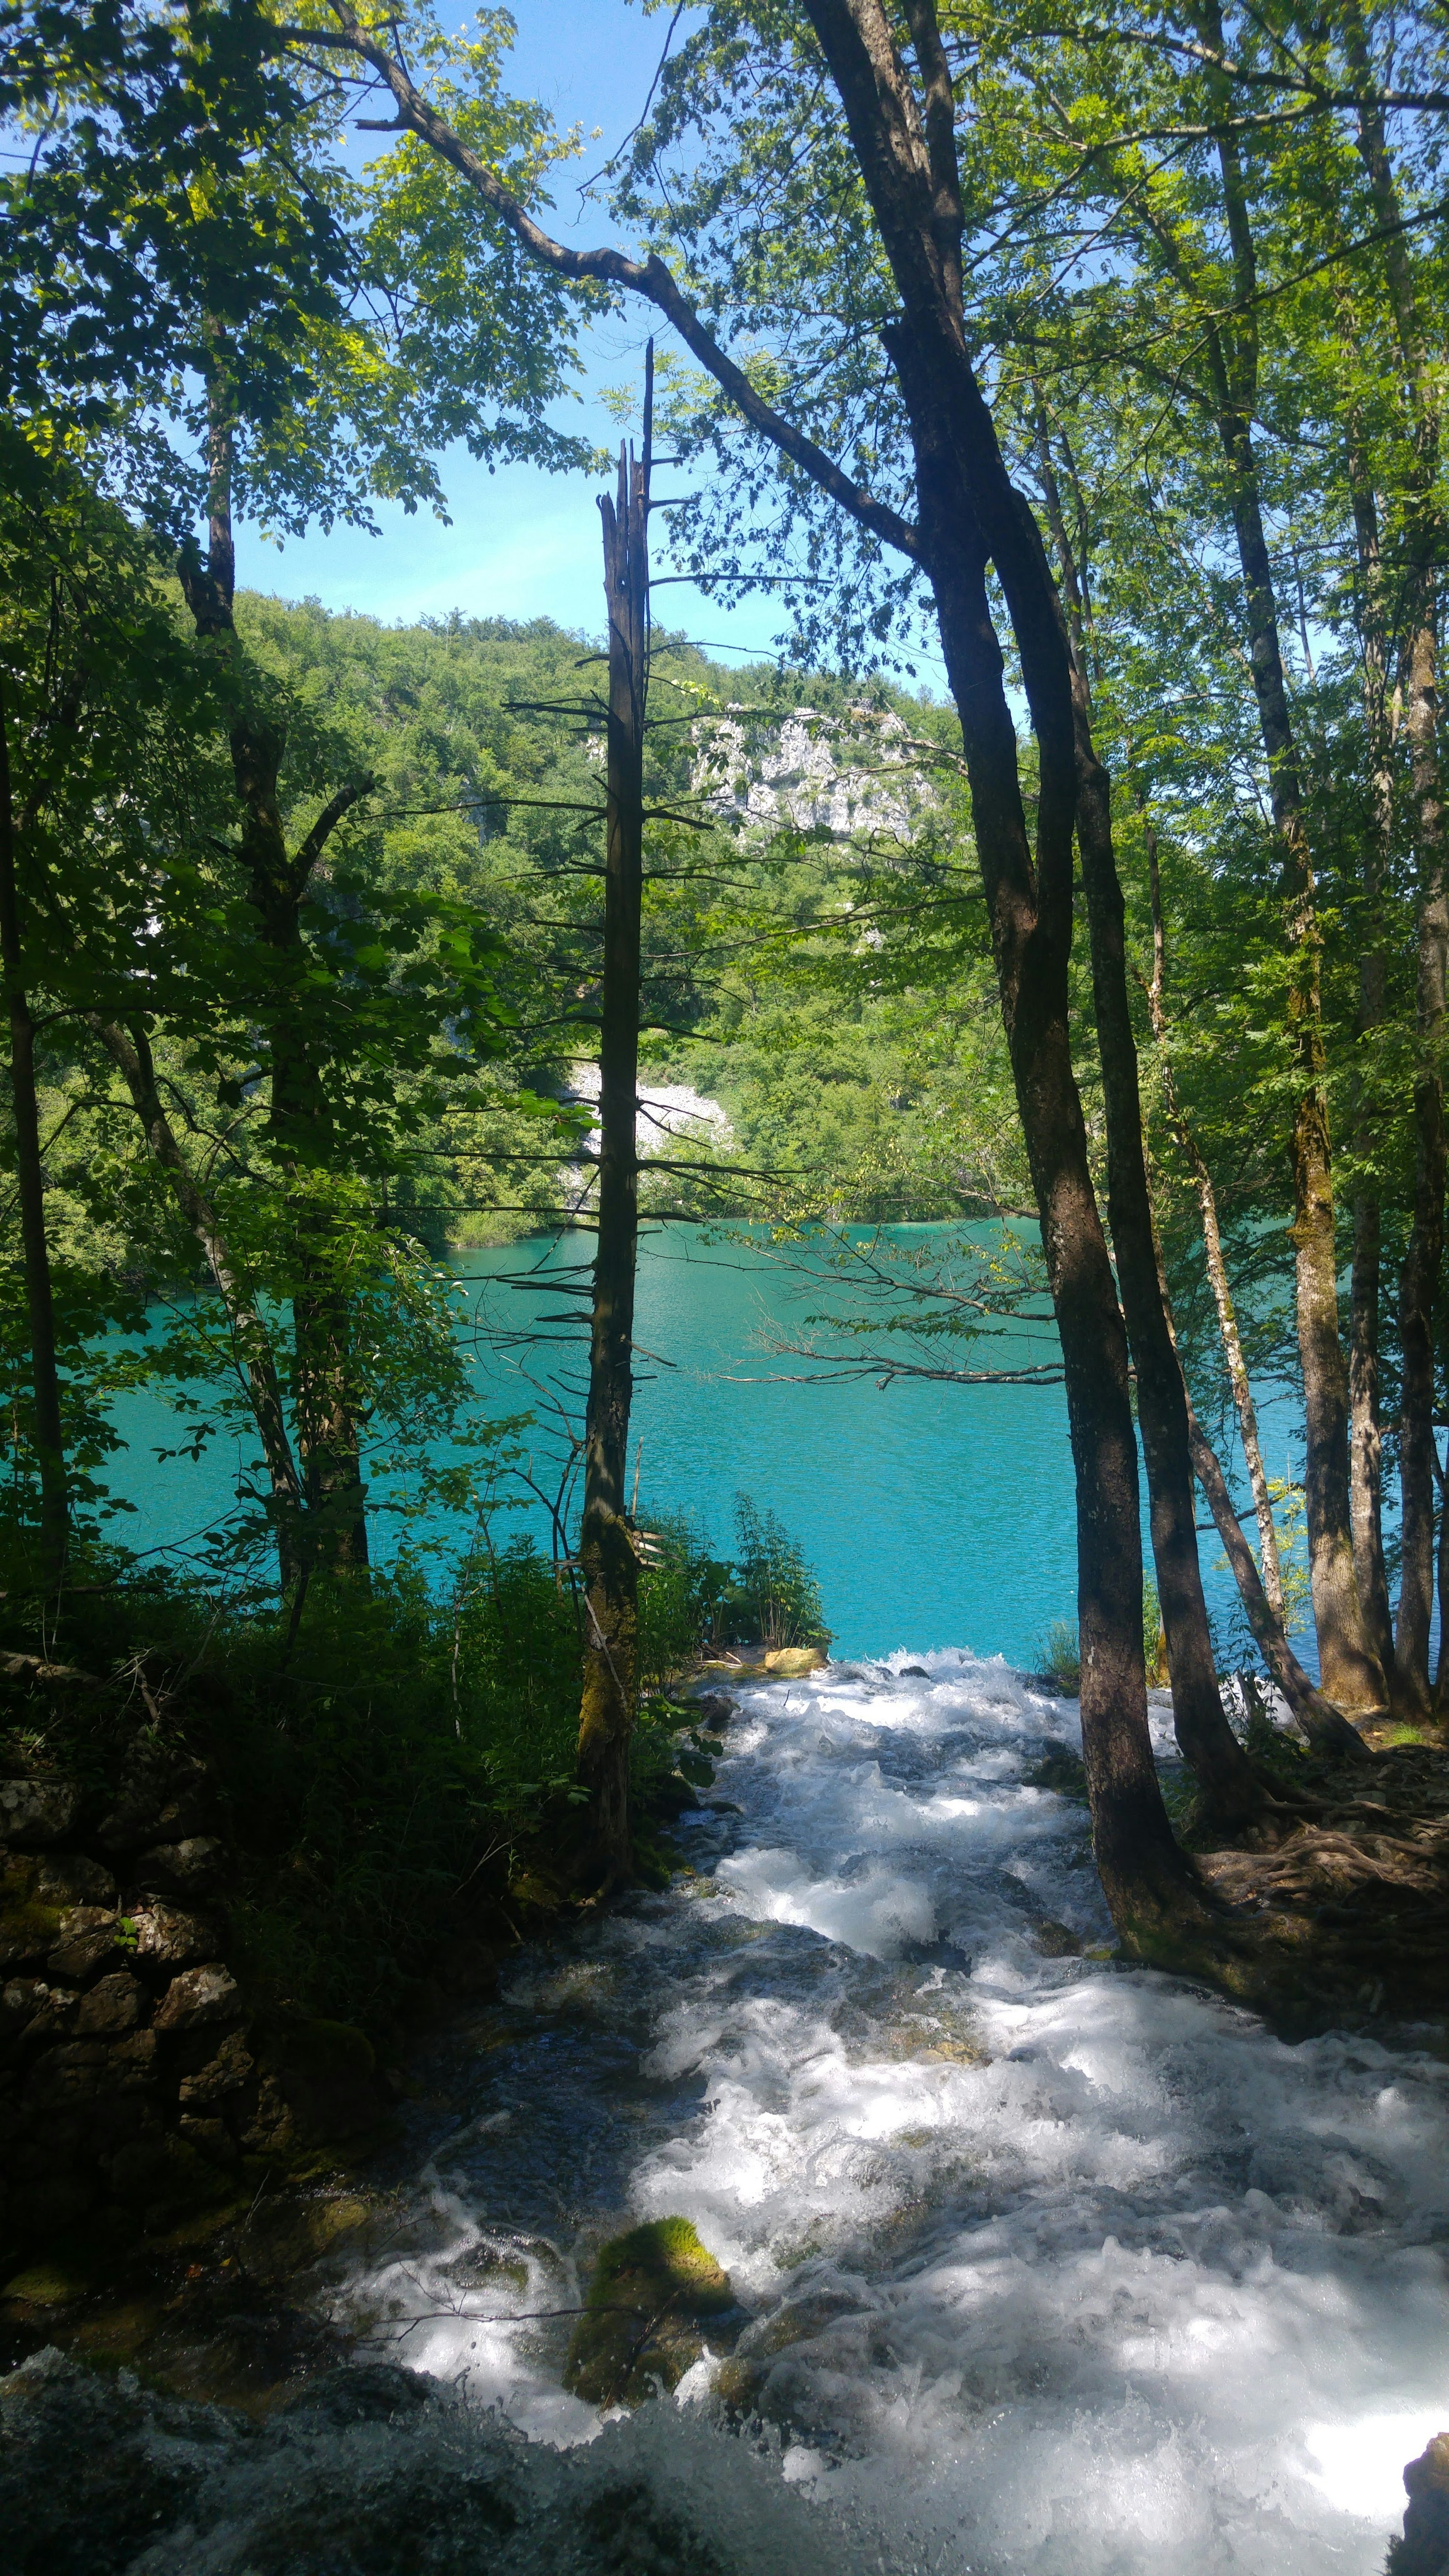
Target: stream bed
(1041, 2263)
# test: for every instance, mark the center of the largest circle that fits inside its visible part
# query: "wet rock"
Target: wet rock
(167, 1938)
(651, 2290)
(117, 2005)
(715, 1708)
(199, 1998)
(792, 1663)
(1060, 1769)
(88, 1938)
(1424, 2548)
(35, 1813)
(1056, 1940)
(192, 1867)
(913, 1673)
(360, 2393)
(226, 2073)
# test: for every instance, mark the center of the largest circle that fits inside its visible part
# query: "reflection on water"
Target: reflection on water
(1041, 2264)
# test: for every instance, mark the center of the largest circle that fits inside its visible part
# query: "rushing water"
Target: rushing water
(944, 1515)
(1044, 2265)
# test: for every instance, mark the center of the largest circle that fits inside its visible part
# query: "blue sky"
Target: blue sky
(522, 543)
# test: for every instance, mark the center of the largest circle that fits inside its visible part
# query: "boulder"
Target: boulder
(35, 1813)
(792, 1663)
(115, 2006)
(167, 1938)
(651, 2290)
(198, 1998)
(189, 1868)
(88, 1938)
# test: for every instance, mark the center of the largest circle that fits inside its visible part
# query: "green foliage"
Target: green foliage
(774, 1587)
(1059, 1656)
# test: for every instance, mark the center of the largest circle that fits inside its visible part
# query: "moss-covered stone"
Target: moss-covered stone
(652, 2289)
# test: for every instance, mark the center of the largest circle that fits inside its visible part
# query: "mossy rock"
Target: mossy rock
(792, 1663)
(652, 2289)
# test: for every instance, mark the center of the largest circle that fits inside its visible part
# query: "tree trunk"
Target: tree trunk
(1366, 1438)
(1424, 550)
(1206, 1739)
(607, 1555)
(277, 884)
(1326, 1728)
(1352, 1673)
(130, 1051)
(30, 1182)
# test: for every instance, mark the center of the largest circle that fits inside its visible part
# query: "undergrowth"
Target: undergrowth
(393, 1768)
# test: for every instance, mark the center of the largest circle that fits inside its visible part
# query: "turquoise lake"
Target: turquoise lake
(934, 1515)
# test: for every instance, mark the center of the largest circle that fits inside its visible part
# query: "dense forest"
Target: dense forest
(1043, 953)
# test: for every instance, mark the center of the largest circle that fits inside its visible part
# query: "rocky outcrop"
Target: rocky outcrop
(136, 2083)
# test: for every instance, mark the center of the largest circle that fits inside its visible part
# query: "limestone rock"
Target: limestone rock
(716, 1708)
(112, 2008)
(231, 2068)
(651, 2290)
(198, 1998)
(88, 1937)
(35, 1813)
(167, 1938)
(792, 1663)
(192, 1867)
(211, 2138)
(68, 1878)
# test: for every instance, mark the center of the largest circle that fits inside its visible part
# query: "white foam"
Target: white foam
(1089, 2274)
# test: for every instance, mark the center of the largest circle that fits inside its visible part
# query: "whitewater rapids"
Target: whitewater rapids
(1047, 2264)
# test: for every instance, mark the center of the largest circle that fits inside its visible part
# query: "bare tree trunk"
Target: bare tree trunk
(130, 1050)
(1206, 1739)
(30, 1181)
(609, 1563)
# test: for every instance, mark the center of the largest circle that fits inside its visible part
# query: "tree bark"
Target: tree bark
(1425, 535)
(1325, 1726)
(30, 1181)
(609, 1563)
(1366, 1436)
(1352, 1674)
(1204, 1735)
(969, 514)
(327, 1435)
(130, 1051)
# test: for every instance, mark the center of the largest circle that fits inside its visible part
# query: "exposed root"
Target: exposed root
(1344, 1912)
